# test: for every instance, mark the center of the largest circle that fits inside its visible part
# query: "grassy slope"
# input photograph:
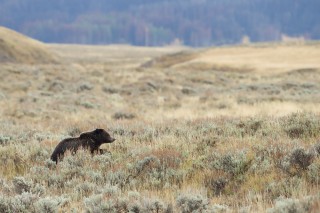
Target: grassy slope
(192, 138)
(263, 58)
(17, 48)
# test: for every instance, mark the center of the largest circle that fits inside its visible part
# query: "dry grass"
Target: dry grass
(264, 59)
(17, 48)
(187, 139)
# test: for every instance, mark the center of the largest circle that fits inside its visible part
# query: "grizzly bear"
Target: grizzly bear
(87, 140)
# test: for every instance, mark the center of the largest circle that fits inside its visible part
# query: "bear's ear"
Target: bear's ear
(98, 131)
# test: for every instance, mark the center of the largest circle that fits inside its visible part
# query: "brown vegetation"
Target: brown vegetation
(207, 140)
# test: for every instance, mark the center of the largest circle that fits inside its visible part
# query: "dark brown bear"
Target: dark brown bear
(87, 140)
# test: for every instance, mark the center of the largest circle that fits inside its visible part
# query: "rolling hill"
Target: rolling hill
(259, 58)
(17, 48)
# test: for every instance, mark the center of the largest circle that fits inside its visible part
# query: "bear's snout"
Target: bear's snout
(112, 139)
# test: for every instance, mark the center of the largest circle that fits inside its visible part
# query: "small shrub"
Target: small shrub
(56, 86)
(290, 205)
(84, 86)
(95, 177)
(50, 204)
(206, 144)
(87, 105)
(188, 91)
(300, 158)
(249, 127)
(191, 203)
(217, 186)
(123, 115)
(301, 125)
(135, 208)
(296, 162)
(313, 172)
(39, 189)
(48, 163)
(93, 203)
(233, 164)
(110, 90)
(109, 190)
(118, 178)
(4, 140)
(85, 189)
(154, 206)
(22, 185)
(19, 203)
(23, 202)
(13, 160)
(283, 188)
(122, 205)
(5, 187)
(98, 203)
(72, 165)
(40, 173)
(159, 169)
(56, 180)
(4, 203)
(317, 148)
(217, 208)
(142, 167)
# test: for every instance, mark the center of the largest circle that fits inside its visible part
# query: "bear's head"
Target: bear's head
(100, 136)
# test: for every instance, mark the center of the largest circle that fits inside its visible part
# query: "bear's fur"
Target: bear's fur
(87, 140)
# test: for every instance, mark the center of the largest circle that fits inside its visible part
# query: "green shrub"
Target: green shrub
(217, 186)
(301, 158)
(192, 203)
(234, 164)
(50, 204)
(290, 205)
(301, 125)
(22, 185)
(296, 161)
(4, 140)
(313, 172)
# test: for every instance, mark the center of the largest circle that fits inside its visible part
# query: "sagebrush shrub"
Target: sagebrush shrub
(123, 115)
(290, 205)
(154, 205)
(249, 127)
(317, 148)
(301, 125)
(233, 163)
(50, 204)
(22, 185)
(4, 139)
(85, 189)
(4, 203)
(150, 160)
(284, 187)
(296, 161)
(314, 171)
(301, 158)
(191, 203)
(217, 186)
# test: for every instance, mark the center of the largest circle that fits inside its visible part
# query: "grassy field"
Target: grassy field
(230, 129)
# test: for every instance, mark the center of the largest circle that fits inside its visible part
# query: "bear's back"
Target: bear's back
(71, 144)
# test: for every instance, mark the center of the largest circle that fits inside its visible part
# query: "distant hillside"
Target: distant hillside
(162, 22)
(17, 48)
(265, 59)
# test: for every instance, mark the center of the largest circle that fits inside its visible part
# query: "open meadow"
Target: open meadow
(228, 129)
